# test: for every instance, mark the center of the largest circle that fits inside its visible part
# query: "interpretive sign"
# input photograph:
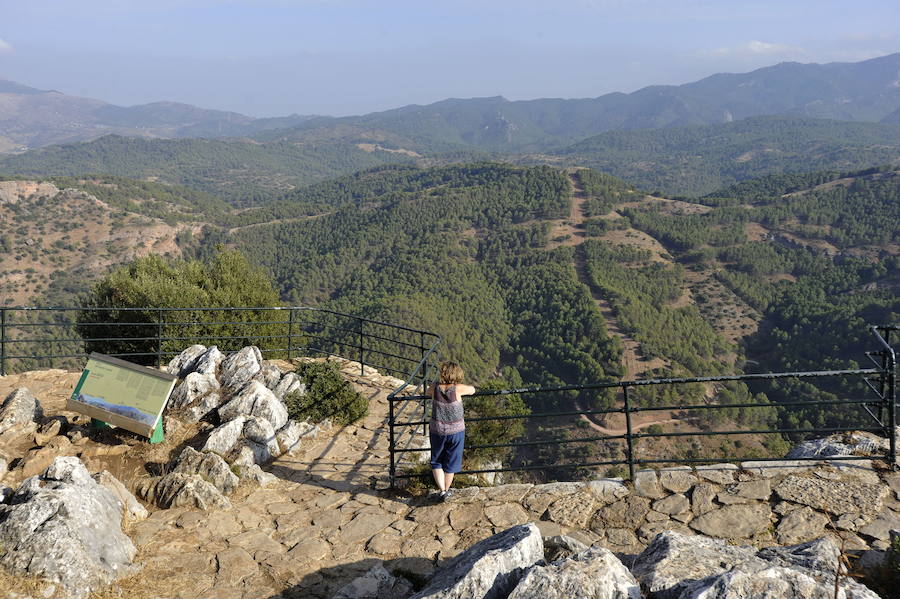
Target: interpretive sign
(122, 394)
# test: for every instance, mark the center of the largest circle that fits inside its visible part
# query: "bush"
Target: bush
(488, 432)
(225, 280)
(328, 395)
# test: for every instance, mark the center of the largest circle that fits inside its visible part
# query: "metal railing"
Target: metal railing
(36, 337)
(877, 414)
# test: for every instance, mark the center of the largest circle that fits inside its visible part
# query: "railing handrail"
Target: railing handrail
(885, 399)
(209, 309)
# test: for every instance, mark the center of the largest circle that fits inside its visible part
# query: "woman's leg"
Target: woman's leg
(440, 478)
(437, 469)
(448, 480)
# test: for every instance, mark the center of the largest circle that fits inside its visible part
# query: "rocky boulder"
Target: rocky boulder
(761, 580)
(132, 510)
(674, 561)
(179, 489)
(255, 399)
(186, 362)
(695, 567)
(592, 574)
(240, 367)
(490, 569)
(21, 412)
(377, 583)
(289, 383)
(210, 466)
(65, 527)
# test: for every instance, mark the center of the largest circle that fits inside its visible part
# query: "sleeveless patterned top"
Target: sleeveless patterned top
(446, 412)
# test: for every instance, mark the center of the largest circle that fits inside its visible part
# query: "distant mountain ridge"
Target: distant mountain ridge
(862, 91)
(32, 118)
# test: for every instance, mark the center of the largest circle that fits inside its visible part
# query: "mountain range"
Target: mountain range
(862, 91)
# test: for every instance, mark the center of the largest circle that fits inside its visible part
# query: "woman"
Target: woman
(447, 427)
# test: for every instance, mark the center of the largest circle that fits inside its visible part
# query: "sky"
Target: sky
(342, 57)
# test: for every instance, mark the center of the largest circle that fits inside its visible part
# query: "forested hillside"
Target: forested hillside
(533, 274)
(700, 159)
(241, 172)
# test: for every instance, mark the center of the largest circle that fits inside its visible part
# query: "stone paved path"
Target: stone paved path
(321, 524)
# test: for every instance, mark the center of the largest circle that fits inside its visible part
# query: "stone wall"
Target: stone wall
(756, 503)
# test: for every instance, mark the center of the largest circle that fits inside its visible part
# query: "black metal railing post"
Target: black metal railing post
(392, 444)
(424, 382)
(290, 339)
(159, 336)
(362, 343)
(2, 341)
(892, 399)
(629, 440)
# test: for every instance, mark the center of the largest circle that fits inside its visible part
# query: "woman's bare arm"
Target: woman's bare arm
(465, 390)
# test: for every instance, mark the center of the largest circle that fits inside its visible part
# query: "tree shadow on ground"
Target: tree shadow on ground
(325, 583)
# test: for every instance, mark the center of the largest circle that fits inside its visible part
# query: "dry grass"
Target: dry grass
(25, 585)
(149, 583)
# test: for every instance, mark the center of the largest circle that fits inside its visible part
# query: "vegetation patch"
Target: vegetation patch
(328, 395)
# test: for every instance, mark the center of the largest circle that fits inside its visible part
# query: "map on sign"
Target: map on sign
(122, 394)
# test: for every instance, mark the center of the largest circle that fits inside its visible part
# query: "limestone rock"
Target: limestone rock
(607, 490)
(646, 484)
(777, 468)
(625, 513)
(132, 509)
(291, 434)
(490, 568)
(820, 554)
(377, 583)
(836, 497)
(801, 525)
(49, 430)
(268, 375)
(702, 498)
(673, 561)
(22, 410)
(759, 580)
(209, 362)
(673, 504)
(855, 443)
(210, 466)
(572, 510)
(44, 531)
(722, 474)
(677, 480)
(734, 521)
(179, 489)
(240, 367)
(255, 399)
(193, 387)
(205, 405)
(289, 383)
(260, 432)
(561, 547)
(225, 437)
(186, 362)
(256, 475)
(593, 574)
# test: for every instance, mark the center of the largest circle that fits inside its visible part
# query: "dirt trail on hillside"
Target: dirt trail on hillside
(634, 361)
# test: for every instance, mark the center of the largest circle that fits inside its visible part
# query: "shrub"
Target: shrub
(225, 280)
(488, 432)
(328, 395)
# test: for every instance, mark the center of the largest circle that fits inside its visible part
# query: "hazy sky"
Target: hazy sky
(338, 57)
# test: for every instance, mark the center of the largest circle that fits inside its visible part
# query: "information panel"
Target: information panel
(122, 394)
